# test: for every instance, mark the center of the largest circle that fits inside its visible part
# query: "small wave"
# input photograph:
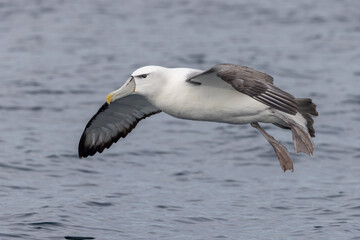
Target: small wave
(186, 173)
(169, 208)
(19, 108)
(9, 235)
(45, 92)
(20, 187)
(56, 224)
(352, 99)
(87, 171)
(200, 219)
(77, 238)
(99, 204)
(81, 185)
(117, 195)
(3, 165)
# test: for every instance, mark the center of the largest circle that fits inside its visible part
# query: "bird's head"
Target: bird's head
(144, 81)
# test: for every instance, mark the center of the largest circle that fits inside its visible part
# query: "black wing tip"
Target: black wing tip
(85, 151)
(81, 153)
(82, 150)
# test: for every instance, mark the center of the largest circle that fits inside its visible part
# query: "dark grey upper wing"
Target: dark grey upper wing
(112, 122)
(251, 82)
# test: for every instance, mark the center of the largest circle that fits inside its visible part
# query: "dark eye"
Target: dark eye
(143, 76)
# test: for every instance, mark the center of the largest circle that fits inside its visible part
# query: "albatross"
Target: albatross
(225, 93)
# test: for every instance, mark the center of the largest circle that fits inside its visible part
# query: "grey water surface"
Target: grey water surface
(171, 178)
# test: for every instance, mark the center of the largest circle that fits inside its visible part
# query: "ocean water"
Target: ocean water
(171, 178)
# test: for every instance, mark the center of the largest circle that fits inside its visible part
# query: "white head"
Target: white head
(145, 81)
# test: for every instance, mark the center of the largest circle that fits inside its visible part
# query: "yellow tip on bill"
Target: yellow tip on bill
(109, 98)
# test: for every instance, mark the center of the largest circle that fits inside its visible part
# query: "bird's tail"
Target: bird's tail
(307, 109)
(301, 125)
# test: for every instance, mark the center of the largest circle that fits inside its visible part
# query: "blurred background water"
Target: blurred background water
(170, 178)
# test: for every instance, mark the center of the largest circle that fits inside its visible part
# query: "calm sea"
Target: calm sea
(171, 178)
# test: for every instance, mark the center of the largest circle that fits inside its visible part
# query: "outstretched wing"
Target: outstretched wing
(112, 122)
(251, 82)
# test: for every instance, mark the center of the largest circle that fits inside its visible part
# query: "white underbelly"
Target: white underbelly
(213, 104)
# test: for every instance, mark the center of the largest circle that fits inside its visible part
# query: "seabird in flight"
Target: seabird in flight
(226, 93)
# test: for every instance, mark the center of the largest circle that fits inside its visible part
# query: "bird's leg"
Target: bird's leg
(301, 138)
(281, 151)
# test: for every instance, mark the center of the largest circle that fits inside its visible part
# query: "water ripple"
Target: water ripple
(78, 238)
(50, 224)
(99, 204)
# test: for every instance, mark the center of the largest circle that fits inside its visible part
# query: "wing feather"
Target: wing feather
(251, 82)
(112, 122)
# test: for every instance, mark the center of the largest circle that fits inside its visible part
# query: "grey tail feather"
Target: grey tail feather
(308, 109)
(300, 134)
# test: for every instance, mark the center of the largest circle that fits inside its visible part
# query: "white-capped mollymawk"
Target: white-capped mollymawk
(225, 93)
